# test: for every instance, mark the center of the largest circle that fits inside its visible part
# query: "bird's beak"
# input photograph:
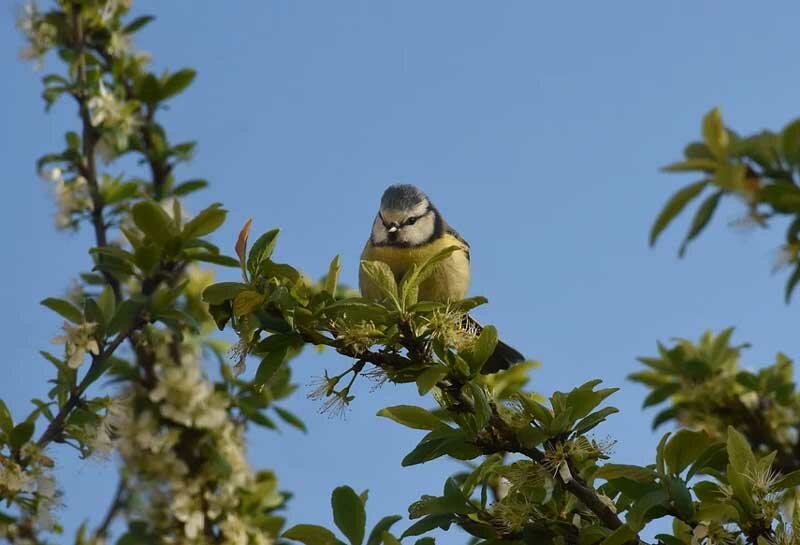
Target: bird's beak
(393, 228)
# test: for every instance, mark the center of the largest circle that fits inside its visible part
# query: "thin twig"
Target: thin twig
(56, 427)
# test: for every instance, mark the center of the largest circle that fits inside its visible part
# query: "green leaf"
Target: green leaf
(411, 416)
(270, 269)
(429, 266)
(383, 277)
(205, 222)
(714, 134)
(349, 514)
(147, 257)
(107, 303)
(791, 283)
(676, 203)
(594, 419)
(177, 82)
(715, 457)
(153, 221)
(124, 316)
(425, 541)
(585, 398)
(790, 142)
(71, 137)
(660, 466)
(311, 534)
(667, 539)
(701, 219)
(482, 350)
(692, 165)
(21, 434)
(389, 539)
(6, 422)
(409, 285)
(664, 416)
(217, 259)
(270, 365)
(542, 414)
(64, 308)
(740, 453)
(634, 473)
(742, 488)
(683, 448)
(332, 279)
(790, 480)
(221, 313)
(637, 515)
(189, 186)
(246, 302)
(620, 536)
(255, 415)
(681, 497)
(291, 419)
(429, 377)
(262, 250)
(721, 345)
(137, 23)
(94, 314)
(465, 305)
(730, 176)
(427, 524)
(382, 526)
(220, 292)
(483, 411)
(440, 442)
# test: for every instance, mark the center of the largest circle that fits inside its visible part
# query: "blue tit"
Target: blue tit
(407, 230)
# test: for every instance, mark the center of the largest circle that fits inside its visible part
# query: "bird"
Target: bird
(408, 229)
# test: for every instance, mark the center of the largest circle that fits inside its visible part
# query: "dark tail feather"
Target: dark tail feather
(503, 356)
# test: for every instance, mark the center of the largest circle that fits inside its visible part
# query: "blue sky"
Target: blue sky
(537, 129)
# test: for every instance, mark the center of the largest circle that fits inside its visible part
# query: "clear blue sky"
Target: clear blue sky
(537, 128)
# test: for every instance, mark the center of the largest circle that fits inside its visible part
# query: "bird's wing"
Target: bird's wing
(452, 232)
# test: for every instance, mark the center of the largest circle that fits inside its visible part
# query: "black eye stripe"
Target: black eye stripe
(412, 220)
(408, 221)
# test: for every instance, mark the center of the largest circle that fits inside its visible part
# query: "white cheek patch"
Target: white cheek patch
(420, 232)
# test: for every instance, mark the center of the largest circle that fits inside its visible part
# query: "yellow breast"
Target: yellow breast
(448, 281)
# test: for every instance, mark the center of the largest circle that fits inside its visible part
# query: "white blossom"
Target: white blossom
(112, 8)
(234, 530)
(46, 495)
(103, 106)
(13, 479)
(119, 43)
(71, 197)
(106, 108)
(41, 34)
(185, 507)
(78, 340)
(188, 398)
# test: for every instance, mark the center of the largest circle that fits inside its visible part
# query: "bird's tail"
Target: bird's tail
(503, 357)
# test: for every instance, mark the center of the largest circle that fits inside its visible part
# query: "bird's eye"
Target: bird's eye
(411, 221)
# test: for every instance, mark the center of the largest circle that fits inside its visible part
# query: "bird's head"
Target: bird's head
(406, 218)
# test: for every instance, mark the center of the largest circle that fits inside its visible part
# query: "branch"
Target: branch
(507, 441)
(89, 169)
(56, 427)
(576, 485)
